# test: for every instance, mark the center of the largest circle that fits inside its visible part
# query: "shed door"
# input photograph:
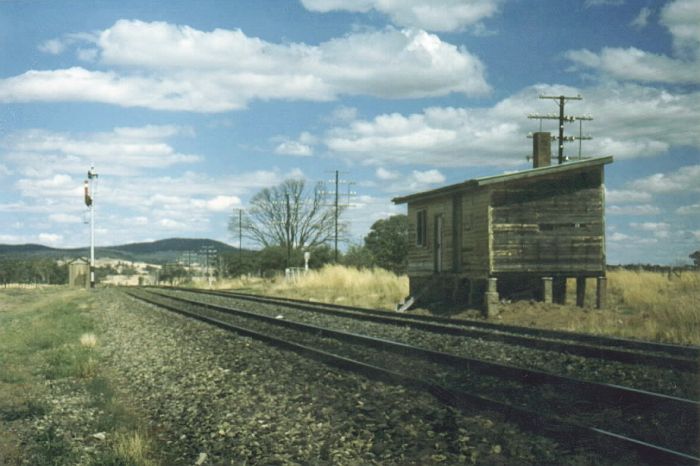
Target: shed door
(438, 243)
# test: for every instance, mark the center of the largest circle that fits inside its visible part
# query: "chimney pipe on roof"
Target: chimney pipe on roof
(541, 150)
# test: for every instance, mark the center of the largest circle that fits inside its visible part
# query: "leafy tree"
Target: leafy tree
(173, 273)
(696, 259)
(37, 270)
(274, 258)
(235, 263)
(358, 256)
(387, 241)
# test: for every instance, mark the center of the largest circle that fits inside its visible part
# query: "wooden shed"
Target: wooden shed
(518, 234)
(79, 273)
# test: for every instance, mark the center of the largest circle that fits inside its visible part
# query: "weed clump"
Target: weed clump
(88, 340)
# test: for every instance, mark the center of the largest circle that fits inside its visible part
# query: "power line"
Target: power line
(561, 101)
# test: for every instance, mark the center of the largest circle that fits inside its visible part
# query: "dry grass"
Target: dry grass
(132, 448)
(657, 306)
(375, 288)
(642, 305)
(88, 340)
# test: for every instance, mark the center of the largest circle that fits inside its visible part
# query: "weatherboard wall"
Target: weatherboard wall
(537, 223)
(551, 225)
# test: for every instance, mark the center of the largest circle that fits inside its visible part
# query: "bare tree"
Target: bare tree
(288, 215)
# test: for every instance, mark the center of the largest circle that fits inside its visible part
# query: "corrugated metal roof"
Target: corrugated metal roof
(525, 174)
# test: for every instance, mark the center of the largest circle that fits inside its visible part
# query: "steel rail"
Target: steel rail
(540, 339)
(551, 426)
(615, 393)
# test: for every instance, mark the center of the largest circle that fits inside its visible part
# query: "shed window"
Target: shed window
(421, 228)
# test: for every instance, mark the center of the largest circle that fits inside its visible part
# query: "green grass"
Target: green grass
(50, 335)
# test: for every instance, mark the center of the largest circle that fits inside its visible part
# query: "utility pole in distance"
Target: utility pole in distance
(240, 238)
(337, 205)
(561, 100)
(89, 201)
(335, 257)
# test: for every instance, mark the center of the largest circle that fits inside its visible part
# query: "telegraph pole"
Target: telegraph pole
(561, 101)
(89, 201)
(337, 213)
(337, 205)
(287, 226)
(240, 238)
(207, 251)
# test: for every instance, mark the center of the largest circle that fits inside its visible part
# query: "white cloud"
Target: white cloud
(428, 177)
(659, 230)
(4, 171)
(384, 174)
(444, 136)
(55, 187)
(433, 15)
(53, 46)
(617, 236)
(301, 147)
(417, 180)
(170, 224)
(684, 179)
(12, 239)
(65, 218)
(88, 55)
(681, 17)
(138, 220)
(364, 210)
(642, 209)
(167, 67)
(343, 114)
(294, 148)
(635, 64)
(122, 151)
(624, 196)
(218, 203)
(693, 209)
(50, 238)
(642, 19)
(630, 121)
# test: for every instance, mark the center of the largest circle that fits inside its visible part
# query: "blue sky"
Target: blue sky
(188, 108)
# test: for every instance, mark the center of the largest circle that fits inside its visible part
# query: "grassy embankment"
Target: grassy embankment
(644, 305)
(51, 378)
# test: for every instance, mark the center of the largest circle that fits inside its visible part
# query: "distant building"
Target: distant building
(79, 273)
(519, 234)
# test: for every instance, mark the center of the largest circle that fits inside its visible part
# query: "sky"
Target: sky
(187, 109)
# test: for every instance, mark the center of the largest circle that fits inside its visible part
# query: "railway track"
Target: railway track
(684, 358)
(536, 399)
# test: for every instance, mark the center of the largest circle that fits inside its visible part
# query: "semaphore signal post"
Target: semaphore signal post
(90, 188)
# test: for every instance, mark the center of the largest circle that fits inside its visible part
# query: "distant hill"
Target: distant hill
(155, 252)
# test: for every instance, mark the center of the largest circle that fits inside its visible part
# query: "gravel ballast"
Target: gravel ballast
(655, 379)
(211, 397)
